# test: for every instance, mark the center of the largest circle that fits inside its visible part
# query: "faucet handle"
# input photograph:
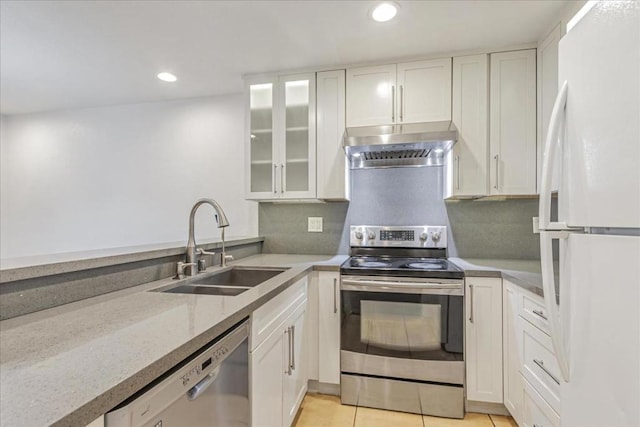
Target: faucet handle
(201, 251)
(180, 268)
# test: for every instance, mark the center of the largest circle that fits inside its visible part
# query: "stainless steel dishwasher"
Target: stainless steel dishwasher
(210, 388)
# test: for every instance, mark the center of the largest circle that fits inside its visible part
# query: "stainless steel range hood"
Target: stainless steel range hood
(413, 144)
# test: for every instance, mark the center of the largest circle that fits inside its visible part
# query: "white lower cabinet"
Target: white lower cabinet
(483, 336)
(512, 357)
(329, 327)
(277, 363)
(536, 411)
(531, 373)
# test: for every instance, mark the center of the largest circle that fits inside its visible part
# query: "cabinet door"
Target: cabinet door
(468, 162)
(513, 122)
(297, 125)
(267, 365)
(424, 91)
(547, 91)
(483, 300)
(329, 327)
(295, 380)
(333, 172)
(261, 151)
(513, 387)
(371, 95)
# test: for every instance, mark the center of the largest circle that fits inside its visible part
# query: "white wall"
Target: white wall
(121, 176)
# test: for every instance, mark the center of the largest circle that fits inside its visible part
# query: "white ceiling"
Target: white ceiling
(73, 54)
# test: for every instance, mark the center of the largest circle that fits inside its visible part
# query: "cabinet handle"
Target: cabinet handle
(275, 168)
(288, 332)
(471, 303)
(497, 159)
(458, 172)
(540, 364)
(537, 425)
(393, 103)
(540, 313)
(401, 103)
(282, 178)
(335, 298)
(293, 347)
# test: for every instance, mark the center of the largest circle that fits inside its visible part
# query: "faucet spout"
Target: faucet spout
(191, 244)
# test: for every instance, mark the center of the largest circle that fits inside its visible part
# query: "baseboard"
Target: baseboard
(315, 386)
(485, 408)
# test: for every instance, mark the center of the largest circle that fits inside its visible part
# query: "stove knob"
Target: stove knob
(371, 235)
(423, 236)
(359, 235)
(435, 236)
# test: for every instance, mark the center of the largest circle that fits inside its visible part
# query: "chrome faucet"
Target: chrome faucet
(192, 262)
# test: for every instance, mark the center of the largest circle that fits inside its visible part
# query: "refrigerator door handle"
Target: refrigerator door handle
(556, 122)
(550, 298)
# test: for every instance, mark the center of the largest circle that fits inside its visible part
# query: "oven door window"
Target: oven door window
(409, 326)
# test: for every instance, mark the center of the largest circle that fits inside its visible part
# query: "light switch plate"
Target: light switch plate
(315, 224)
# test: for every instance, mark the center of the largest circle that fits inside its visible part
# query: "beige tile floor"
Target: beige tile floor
(326, 411)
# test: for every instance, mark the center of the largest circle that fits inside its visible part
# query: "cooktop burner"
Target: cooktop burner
(427, 265)
(373, 264)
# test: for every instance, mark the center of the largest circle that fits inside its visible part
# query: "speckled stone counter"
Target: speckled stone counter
(70, 364)
(524, 273)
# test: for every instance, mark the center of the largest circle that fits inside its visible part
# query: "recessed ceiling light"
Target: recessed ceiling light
(384, 12)
(167, 77)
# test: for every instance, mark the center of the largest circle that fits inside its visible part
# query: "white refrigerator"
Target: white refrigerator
(593, 148)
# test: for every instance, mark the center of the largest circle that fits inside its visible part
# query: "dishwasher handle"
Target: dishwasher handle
(197, 390)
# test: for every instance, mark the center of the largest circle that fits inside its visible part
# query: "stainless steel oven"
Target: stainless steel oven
(402, 328)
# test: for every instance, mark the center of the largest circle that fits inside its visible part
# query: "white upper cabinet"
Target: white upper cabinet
(332, 168)
(261, 150)
(424, 91)
(513, 123)
(371, 95)
(281, 138)
(466, 169)
(399, 93)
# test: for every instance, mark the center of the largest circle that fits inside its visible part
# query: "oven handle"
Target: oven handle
(386, 286)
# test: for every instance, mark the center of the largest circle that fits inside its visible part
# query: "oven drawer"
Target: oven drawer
(440, 371)
(540, 367)
(405, 396)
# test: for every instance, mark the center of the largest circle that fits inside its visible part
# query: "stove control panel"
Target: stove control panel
(424, 236)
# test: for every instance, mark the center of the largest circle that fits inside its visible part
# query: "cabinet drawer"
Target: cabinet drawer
(269, 316)
(540, 367)
(534, 310)
(537, 412)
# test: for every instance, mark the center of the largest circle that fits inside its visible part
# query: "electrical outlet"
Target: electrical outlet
(536, 225)
(315, 224)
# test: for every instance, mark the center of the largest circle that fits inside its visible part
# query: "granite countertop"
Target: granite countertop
(70, 364)
(524, 273)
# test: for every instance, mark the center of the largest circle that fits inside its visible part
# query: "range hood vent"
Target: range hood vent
(414, 144)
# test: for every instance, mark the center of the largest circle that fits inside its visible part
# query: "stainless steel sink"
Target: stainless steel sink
(225, 283)
(245, 277)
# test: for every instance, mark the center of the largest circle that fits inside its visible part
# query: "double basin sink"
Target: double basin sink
(229, 282)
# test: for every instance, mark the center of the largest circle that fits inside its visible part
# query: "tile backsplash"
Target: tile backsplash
(404, 196)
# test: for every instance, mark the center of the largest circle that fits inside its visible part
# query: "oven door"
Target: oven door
(408, 328)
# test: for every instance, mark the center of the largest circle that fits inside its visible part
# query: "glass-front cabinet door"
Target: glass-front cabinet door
(262, 152)
(297, 137)
(281, 138)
